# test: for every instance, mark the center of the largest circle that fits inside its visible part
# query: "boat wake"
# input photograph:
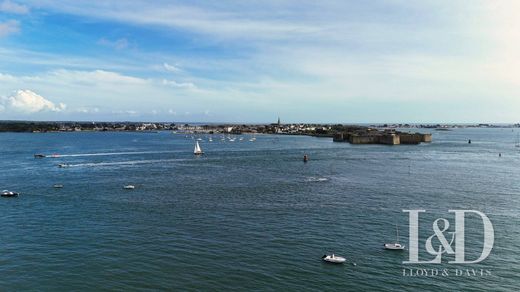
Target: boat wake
(108, 154)
(122, 163)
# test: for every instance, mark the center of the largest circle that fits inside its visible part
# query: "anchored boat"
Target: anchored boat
(396, 245)
(333, 259)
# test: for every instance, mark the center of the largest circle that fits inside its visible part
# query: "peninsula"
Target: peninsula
(355, 134)
(388, 134)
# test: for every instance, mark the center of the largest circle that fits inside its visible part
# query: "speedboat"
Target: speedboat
(62, 165)
(333, 259)
(394, 246)
(8, 194)
(129, 187)
(39, 155)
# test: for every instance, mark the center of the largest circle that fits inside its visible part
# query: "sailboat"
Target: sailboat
(197, 150)
(396, 245)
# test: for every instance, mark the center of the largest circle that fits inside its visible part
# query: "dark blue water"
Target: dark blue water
(247, 215)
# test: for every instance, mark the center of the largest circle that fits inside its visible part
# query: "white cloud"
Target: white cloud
(221, 21)
(174, 83)
(12, 7)
(7, 77)
(9, 27)
(85, 110)
(26, 101)
(118, 44)
(171, 68)
(95, 77)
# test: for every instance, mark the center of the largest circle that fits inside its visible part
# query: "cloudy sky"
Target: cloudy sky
(252, 61)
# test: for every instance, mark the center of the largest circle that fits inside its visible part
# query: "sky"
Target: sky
(380, 61)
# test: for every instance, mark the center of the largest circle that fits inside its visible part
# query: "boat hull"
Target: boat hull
(334, 259)
(393, 246)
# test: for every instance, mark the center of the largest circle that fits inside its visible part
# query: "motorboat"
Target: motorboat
(62, 165)
(8, 194)
(57, 186)
(129, 187)
(39, 156)
(333, 259)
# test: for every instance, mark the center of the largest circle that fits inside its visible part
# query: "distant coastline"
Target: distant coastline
(317, 129)
(389, 134)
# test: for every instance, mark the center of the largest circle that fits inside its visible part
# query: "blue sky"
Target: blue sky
(252, 61)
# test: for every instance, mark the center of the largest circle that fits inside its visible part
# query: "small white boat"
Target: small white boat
(62, 165)
(8, 194)
(57, 186)
(197, 150)
(333, 259)
(396, 245)
(252, 139)
(129, 187)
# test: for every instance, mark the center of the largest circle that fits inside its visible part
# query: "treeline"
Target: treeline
(27, 127)
(22, 126)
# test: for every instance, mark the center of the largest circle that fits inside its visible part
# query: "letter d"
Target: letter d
(489, 237)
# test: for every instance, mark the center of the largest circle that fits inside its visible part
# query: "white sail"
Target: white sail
(197, 149)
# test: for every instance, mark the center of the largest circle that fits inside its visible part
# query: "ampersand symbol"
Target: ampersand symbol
(445, 246)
